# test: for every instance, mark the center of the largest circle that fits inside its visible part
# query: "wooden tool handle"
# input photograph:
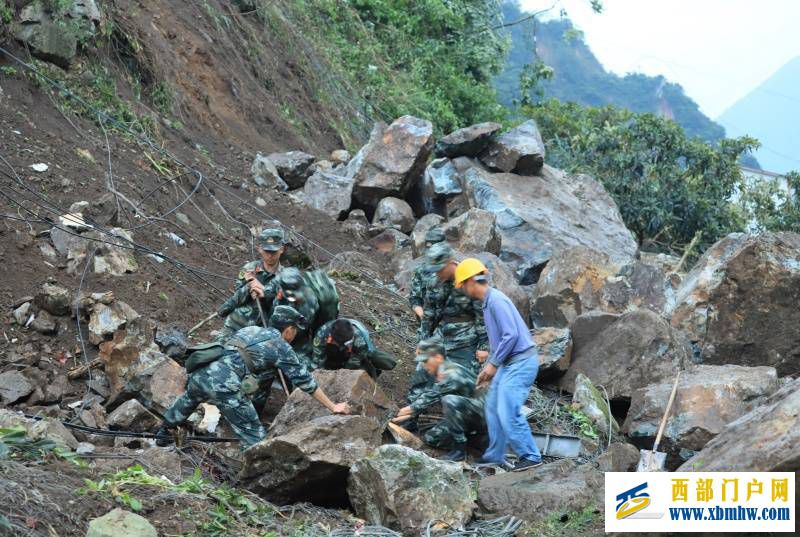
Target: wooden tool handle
(666, 412)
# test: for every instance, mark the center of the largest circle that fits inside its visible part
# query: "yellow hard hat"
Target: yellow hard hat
(467, 269)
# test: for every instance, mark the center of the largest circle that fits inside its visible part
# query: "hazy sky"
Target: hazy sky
(718, 50)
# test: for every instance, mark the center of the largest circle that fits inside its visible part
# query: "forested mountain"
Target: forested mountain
(771, 113)
(579, 77)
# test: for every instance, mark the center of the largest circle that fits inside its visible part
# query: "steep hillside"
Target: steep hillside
(771, 113)
(579, 77)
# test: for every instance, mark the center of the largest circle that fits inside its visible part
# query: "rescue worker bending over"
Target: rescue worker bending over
(346, 344)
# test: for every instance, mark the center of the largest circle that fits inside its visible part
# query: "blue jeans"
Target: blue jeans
(507, 394)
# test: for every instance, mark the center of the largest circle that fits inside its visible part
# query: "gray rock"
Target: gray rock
(43, 429)
(114, 255)
(357, 222)
(473, 231)
(292, 167)
(739, 303)
(467, 142)
(709, 398)
(352, 386)
(340, 156)
(554, 346)
(588, 326)
(20, 314)
(329, 193)
(14, 386)
(422, 226)
(266, 175)
(172, 342)
(402, 277)
(439, 184)
(107, 319)
(392, 160)
(132, 416)
(155, 379)
(541, 216)
(118, 523)
(619, 457)
(45, 324)
(592, 403)
(85, 448)
(310, 462)
(394, 212)
(640, 348)
(53, 299)
(391, 241)
(404, 489)
(520, 150)
(556, 488)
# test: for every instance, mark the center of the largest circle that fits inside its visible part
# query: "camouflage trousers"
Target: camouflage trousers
(462, 416)
(235, 407)
(465, 357)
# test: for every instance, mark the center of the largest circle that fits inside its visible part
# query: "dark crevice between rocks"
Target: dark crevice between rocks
(619, 408)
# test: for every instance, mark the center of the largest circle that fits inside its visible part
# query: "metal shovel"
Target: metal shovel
(653, 461)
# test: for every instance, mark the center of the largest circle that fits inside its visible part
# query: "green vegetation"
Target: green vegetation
(668, 186)
(571, 523)
(15, 444)
(430, 58)
(6, 12)
(770, 207)
(583, 423)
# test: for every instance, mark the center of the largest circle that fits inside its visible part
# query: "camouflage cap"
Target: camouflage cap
(437, 256)
(283, 316)
(290, 280)
(428, 347)
(434, 235)
(271, 239)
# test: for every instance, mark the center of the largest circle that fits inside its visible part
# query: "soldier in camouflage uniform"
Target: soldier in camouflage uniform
(255, 277)
(416, 293)
(346, 344)
(452, 314)
(454, 386)
(290, 290)
(252, 357)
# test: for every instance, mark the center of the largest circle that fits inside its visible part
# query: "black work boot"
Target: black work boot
(457, 454)
(165, 436)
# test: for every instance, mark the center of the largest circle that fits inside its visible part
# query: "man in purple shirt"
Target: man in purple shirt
(512, 367)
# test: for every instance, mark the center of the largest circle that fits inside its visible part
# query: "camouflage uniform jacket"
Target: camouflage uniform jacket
(451, 313)
(455, 380)
(362, 345)
(240, 309)
(308, 307)
(416, 292)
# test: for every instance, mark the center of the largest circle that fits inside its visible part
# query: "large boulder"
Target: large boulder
(118, 523)
(467, 142)
(422, 227)
(473, 231)
(343, 385)
(311, 462)
(105, 320)
(265, 174)
(708, 398)
(739, 303)
(520, 150)
(391, 241)
(394, 212)
(554, 346)
(434, 188)
(404, 489)
(588, 326)
(766, 439)
(504, 279)
(541, 216)
(155, 379)
(555, 488)
(329, 193)
(14, 386)
(392, 160)
(292, 167)
(593, 404)
(640, 348)
(113, 251)
(132, 416)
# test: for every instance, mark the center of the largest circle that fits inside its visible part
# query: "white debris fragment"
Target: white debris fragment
(74, 221)
(210, 419)
(156, 258)
(39, 167)
(176, 239)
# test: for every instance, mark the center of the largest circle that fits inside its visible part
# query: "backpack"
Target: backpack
(202, 355)
(324, 288)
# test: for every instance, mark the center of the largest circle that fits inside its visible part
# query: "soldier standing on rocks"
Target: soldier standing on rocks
(255, 281)
(249, 364)
(346, 344)
(454, 386)
(416, 294)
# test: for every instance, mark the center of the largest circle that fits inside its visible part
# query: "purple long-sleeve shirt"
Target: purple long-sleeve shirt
(507, 332)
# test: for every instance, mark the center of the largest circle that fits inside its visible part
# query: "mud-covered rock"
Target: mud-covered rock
(739, 303)
(640, 348)
(328, 193)
(265, 174)
(766, 439)
(352, 386)
(292, 167)
(467, 142)
(340, 156)
(392, 160)
(404, 489)
(473, 231)
(311, 461)
(394, 212)
(619, 457)
(118, 522)
(554, 346)
(14, 386)
(708, 398)
(391, 241)
(156, 380)
(557, 487)
(45, 324)
(132, 416)
(541, 216)
(53, 299)
(520, 150)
